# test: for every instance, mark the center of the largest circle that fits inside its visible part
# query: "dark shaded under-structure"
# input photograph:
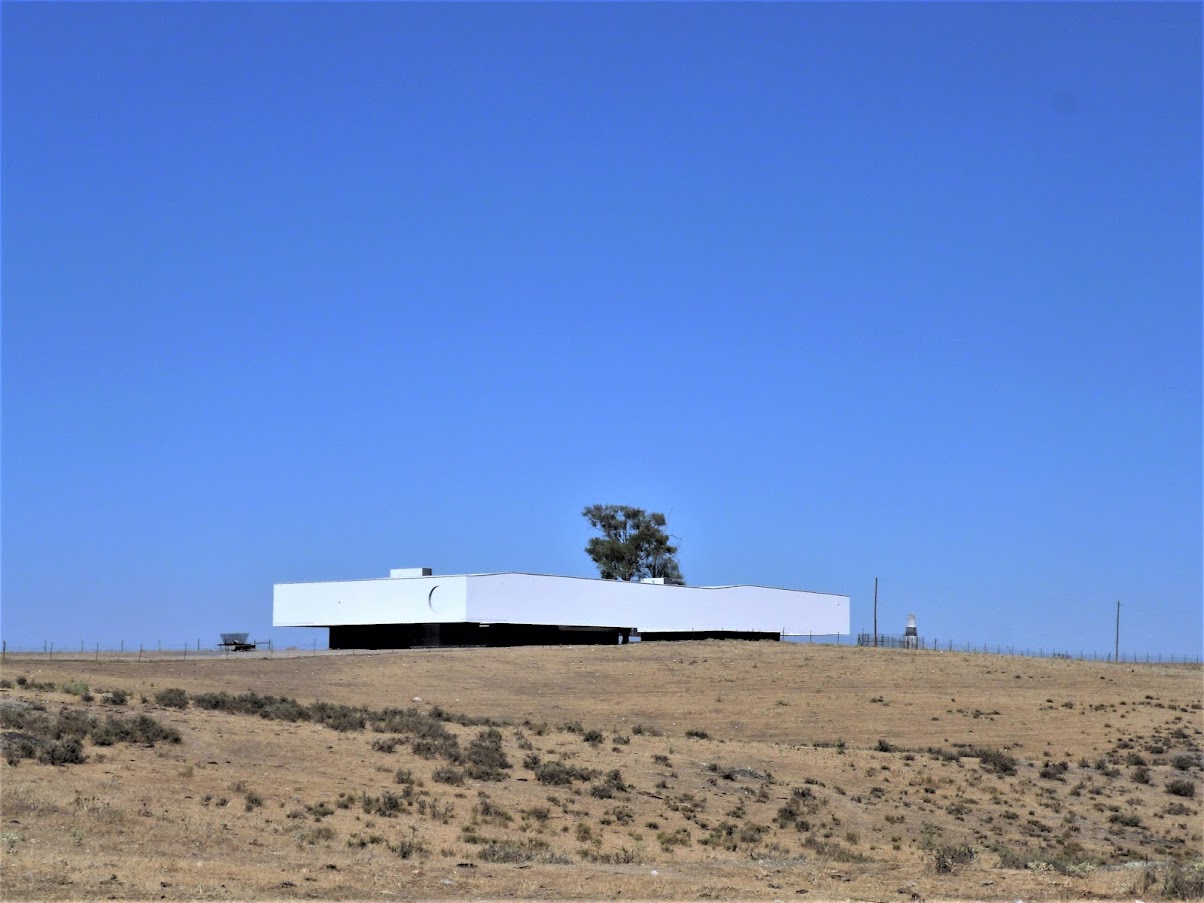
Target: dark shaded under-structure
(412, 636)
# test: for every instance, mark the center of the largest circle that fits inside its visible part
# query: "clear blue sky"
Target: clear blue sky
(298, 292)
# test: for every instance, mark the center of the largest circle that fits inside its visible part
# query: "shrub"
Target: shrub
(446, 774)
(254, 800)
(317, 834)
(17, 746)
(387, 744)
(115, 697)
(72, 724)
(1054, 771)
(75, 688)
(441, 747)
(1183, 882)
(139, 729)
(698, 734)
(884, 746)
(593, 737)
(486, 758)
(1140, 774)
(995, 760)
(947, 858)
(387, 805)
(561, 773)
(529, 849)
(1128, 819)
(1179, 787)
(408, 847)
(1183, 762)
(62, 752)
(172, 697)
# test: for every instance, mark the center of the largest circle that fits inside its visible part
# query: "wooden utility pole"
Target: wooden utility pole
(1116, 654)
(875, 611)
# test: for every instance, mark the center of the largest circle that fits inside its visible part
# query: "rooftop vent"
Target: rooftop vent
(410, 572)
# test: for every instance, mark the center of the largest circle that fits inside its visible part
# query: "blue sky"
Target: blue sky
(298, 292)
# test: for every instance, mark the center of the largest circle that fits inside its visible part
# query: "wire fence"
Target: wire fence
(158, 651)
(886, 641)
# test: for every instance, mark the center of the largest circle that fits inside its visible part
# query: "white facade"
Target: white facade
(566, 601)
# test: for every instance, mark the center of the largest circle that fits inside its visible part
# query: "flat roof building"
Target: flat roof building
(413, 607)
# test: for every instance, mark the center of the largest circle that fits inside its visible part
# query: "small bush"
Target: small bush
(253, 800)
(442, 747)
(486, 759)
(1140, 774)
(1183, 882)
(1055, 771)
(593, 737)
(562, 774)
(446, 774)
(75, 688)
(408, 847)
(317, 834)
(1179, 787)
(387, 805)
(698, 734)
(949, 857)
(172, 697)
(995, 760)
(115, 697)
(62, 752)
(387, 744)
(17, 746)
(1128, 819)
(1184, 762)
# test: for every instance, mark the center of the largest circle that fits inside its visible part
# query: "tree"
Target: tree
(633, 544)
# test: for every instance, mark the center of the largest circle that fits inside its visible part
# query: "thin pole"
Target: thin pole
(875, 612)
(1117, 630)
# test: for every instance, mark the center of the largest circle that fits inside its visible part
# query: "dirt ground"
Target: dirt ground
(700, 770)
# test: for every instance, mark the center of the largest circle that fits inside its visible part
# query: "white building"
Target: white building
(412, 607)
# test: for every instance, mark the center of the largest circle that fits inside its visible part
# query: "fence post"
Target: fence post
(52, 651)
(98, 651)
(139, 652)
(3, 650)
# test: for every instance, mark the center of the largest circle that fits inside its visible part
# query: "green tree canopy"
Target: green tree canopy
(633, 544)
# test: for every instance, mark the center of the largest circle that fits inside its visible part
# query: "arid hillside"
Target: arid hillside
(708, 770)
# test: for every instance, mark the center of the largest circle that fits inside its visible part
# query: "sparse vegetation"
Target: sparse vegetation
(426, 782)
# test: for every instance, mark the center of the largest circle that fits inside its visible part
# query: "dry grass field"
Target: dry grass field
(702, 770)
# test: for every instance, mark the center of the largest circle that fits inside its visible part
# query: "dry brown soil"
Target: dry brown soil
(813, 772)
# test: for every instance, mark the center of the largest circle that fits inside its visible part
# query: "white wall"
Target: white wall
(538, 599)
(569, 601)
(404, 600)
